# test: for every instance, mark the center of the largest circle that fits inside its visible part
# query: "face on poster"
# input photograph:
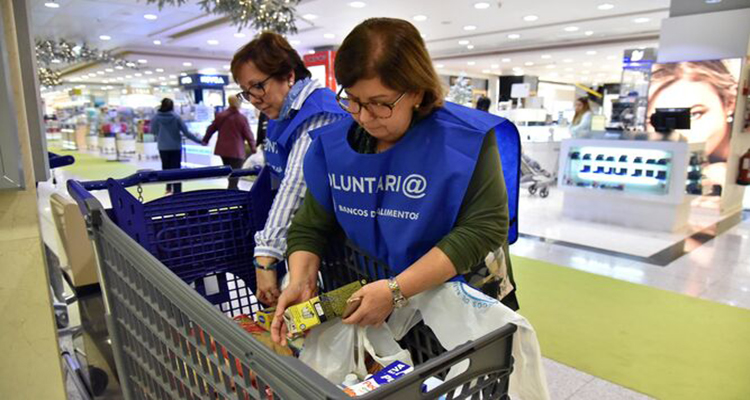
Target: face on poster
(709, 90)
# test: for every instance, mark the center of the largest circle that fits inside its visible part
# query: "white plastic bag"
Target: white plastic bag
(457, 313)
(334, 349)
(256, 160)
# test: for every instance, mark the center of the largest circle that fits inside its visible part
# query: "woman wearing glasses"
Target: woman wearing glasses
(410, 179)
(274, 80)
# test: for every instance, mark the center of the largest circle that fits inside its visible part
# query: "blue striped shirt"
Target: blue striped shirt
(271, 241)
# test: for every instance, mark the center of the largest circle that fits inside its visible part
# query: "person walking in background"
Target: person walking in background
(233, 130)
(483, 103)
(168, 128)
(581, 126)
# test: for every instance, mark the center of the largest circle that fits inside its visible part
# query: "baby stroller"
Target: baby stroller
(535, 177)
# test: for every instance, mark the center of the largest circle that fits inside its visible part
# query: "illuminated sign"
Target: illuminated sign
(186, 80)
(200, 81)
(212, 80)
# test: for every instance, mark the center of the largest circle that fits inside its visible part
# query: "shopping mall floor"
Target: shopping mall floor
(718, 271)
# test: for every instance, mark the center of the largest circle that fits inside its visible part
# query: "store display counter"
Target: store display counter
(638, 184)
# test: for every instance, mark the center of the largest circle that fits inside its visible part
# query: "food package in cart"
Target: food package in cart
(387, 375)
(301, 317)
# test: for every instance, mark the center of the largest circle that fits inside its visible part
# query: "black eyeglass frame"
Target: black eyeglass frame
(245, 95)
(367, 105)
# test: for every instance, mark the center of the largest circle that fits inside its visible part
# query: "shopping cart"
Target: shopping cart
(171, 334)
(535, 177)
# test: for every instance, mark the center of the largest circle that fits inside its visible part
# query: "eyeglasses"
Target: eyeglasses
(255, 91)
(377, 109)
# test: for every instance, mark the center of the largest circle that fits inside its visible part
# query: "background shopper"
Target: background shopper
(444, 219)
(581, 126)
(483, 103)
(169, 128)
(234, 131)
(274, 80)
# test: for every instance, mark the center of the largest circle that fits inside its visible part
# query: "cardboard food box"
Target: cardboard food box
(303, 316)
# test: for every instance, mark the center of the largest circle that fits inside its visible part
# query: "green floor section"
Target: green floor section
(90, 167)
(660, 343)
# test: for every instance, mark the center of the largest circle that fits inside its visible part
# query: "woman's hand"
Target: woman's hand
(267, 287)
(295, 293)
(376, 305)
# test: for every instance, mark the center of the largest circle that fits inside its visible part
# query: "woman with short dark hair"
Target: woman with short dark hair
(168, 128)
(274, 80)
(412, 180)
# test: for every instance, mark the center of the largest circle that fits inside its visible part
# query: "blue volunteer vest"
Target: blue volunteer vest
(280, 133)
(398, 204)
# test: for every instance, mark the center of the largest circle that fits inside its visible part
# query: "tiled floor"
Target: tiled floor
(719, 271)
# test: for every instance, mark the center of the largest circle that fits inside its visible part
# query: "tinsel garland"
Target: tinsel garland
(273, 15)
(58, 52)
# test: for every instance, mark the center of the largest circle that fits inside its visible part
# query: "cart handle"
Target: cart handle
(80, 191)
(171, 175)
(56, 160)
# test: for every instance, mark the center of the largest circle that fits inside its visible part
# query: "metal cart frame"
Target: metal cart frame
(171, 342)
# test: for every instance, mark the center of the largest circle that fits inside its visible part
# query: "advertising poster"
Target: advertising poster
(709, 90)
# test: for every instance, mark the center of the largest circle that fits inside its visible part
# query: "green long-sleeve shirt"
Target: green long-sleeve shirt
(481, 225)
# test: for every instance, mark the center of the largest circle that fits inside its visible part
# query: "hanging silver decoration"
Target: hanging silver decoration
(262, 15)
(52, 54)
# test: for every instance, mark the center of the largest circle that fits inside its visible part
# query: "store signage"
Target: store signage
(201, 81)
(639, 58)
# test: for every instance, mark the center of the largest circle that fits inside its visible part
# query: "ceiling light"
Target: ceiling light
(530, 18)
(713, 1)
(104, 37)
(152, 80)
(239, 35)
(605, 6)
(439, 65)
(226, 67)
(208, 71)
(329, 36)
(419, 18)
(463, 42)
(486, 71)
(551, 66)
(357, 4)
(157, 42)
(311, 52)
(161, 78)
(310, 17)
(470, 47)
(56, 61)
(172, 76)
(150, 17)
(481, 5)
(528, 63)
(591, 53)
(514, 36)
(142, 61)
(91, 75)
(130, 64)
(138, 74)
(51, 4)
(641, 20)
(470, 28)
(100, 72)
(495, 66)
(471, 63)
(612, 58)
(109, 70)
(128, 76)
(160, 70)
(505, 60)
(571, 29)
(148, 72)
(212, 42)
(295, 42)
(187, 64)
(546, 56)
(588, 33)
(183, 74)
(119, 78)
(568, 60)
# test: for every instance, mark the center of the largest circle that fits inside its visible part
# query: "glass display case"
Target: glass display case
(633, 183)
